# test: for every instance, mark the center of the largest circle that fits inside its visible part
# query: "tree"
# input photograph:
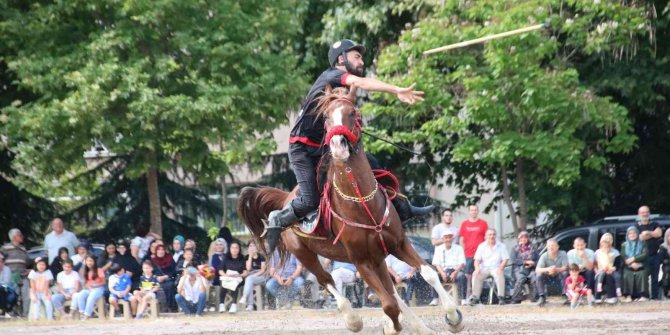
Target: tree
(157, 82)
(511, 111)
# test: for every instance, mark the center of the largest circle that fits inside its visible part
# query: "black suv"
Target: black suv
(616, 225)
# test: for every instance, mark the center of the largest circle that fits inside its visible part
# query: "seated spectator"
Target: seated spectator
(217, 258)
(192, 291)
(177, 248)
(449, 260)
(607, 274)
(40, 280)
(119, 285)
(128, 263)
(634, 256)
(286, 282)
(148, 287)
(187, 258)
(57, 264)
(108, 258)
(190, 244)
(255, 266)
(552, 266)
(490, 259)
(664, 259)
(152, 249)
(94, 288)
(233, 273)
(8, 292)
(585, 259)
(343, 273)
(575, 287)
(524, 258)
(78, 258)
(167, 273)
(68, 285)
(402, 272)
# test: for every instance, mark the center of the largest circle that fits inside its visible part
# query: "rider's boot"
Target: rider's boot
(406, 211)
(278, 220)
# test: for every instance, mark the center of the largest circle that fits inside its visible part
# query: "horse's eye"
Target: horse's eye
(352, 113)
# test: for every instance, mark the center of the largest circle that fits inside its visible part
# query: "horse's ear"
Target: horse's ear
(352, 93)
(328, 89)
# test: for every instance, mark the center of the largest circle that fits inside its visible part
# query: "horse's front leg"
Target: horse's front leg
(407, 254)
(376, 276)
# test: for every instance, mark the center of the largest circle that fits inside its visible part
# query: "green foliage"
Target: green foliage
(170, 77)
(514, 100)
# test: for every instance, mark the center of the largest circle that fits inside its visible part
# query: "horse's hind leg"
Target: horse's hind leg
(407, 254)
(352, 319)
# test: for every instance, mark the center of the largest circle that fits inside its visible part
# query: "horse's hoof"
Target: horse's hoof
(389, 329)
(354, 322)
(455, 326)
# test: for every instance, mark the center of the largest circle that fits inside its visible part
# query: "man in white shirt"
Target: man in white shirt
(59, 237)
(490, 258)
(449, 260)
(439, 230)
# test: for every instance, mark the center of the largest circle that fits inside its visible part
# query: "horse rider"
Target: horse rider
(347, 69)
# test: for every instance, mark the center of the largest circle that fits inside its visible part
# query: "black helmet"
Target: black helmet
(341, 47)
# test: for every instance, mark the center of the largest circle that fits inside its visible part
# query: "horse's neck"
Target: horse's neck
(360, 170)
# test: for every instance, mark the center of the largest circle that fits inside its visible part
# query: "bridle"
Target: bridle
(352, 138)
(326, 208)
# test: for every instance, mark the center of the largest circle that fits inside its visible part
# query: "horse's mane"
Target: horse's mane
(324, 101)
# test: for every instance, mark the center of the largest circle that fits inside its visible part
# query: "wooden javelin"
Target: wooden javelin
(486, 38)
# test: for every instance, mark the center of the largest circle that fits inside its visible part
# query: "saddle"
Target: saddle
(314, 225)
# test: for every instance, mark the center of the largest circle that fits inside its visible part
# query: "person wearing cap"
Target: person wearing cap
(449, 260)
(524, 257)
(347, 68)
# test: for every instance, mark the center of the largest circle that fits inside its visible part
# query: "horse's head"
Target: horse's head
(342, 118)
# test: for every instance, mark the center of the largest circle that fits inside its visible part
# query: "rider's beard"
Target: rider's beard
(359, 71)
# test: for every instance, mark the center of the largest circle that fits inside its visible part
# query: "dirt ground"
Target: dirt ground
(640, 318)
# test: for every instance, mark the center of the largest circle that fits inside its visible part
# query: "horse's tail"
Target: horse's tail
(253, 206)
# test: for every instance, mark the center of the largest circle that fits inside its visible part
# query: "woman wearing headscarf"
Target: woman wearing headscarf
(664, 256)
(524, 257)
(165, 270)
(129, 263)
(177, 247)
(634, 255)
(216, 262)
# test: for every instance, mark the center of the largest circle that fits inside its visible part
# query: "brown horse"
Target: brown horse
(365, 224)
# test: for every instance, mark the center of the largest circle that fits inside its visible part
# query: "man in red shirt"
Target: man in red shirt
(472, 233)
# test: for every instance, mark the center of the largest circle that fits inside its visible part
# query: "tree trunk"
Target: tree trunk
(224, 200)
(523, 202)
(507, 197)
(154, 200)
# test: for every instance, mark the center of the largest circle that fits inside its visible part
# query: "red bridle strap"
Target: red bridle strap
(342, 130)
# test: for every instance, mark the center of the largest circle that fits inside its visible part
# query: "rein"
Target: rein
(377, 227)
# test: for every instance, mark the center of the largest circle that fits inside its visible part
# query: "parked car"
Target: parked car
(35, 252)
(591, 233)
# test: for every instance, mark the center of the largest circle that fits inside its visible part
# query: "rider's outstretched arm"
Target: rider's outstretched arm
(404, 94)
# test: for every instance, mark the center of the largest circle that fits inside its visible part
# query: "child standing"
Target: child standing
(119, 288)
(575, 287)
(68, 284)
(39, 288)
(148, 287)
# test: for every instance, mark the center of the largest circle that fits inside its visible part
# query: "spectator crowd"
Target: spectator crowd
(146, 272)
